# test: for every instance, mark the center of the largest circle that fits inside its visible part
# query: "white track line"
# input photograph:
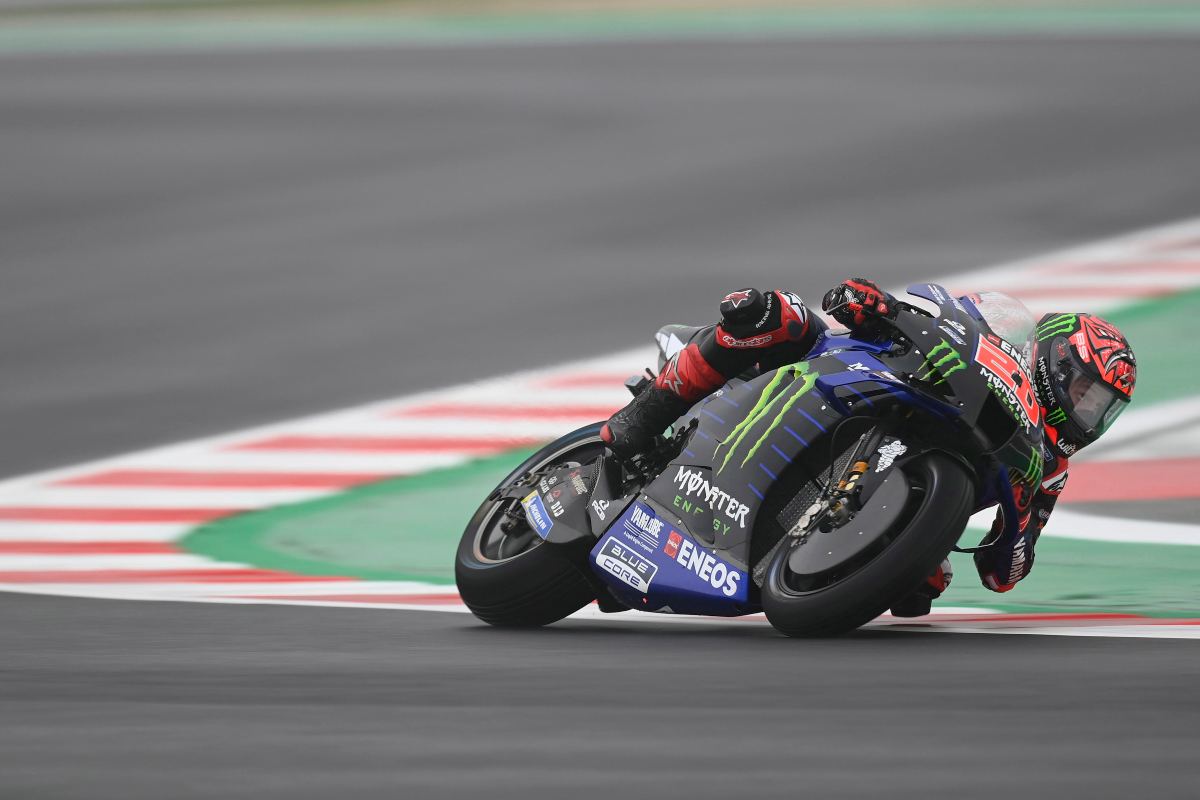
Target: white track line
(134, 561)
(92, 532)
(176, 456)
(139, 497)
(301, 462)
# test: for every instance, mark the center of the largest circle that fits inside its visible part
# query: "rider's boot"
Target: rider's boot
(919, 603)
(631, 430)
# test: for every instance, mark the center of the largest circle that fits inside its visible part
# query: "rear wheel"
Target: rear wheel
(505, 573)
(940, 500)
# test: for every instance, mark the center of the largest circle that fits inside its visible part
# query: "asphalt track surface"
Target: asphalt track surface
(194, 243)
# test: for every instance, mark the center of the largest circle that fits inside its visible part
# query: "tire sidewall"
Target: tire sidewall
(928, 536)
(536, 587)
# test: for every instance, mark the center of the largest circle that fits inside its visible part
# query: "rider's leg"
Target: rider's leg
(754, 327)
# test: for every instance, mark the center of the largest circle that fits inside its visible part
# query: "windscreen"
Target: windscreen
(1008, 318)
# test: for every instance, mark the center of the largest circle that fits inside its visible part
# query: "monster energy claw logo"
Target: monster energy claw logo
(1033, 469)
(767, 402)
(1056, 417)
(1058, 325)
(942, 361)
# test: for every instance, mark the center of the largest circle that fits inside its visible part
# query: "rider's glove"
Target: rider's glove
(856, 301)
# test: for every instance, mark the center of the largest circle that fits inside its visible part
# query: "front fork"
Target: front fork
(845, 500)
(838, 504)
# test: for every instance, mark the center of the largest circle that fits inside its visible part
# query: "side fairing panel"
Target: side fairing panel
(649, 564)
(746, 436)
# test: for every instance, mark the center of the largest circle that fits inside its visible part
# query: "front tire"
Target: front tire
(942, 500)
(513, 578)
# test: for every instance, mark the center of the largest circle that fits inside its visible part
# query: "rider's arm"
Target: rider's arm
(769, 329)
(756, 327)
(1010, 559)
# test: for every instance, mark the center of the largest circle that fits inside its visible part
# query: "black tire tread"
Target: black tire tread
(849, 604)
(562, 595)
(535, 588)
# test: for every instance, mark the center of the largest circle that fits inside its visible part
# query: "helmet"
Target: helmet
(1085, 376)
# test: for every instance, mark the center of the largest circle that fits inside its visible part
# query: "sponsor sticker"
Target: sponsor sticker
(792, 381)
(703, 564)
(1003, 368)
(889, 453)
(754, 341)
(953, 334)
(535, 514)
(601, 508)
(940, 363)
(673, 541)
(642, 525)
(692, 483)
(626, 565)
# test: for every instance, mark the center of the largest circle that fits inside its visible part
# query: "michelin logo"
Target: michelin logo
(889, 453)
(536, 516)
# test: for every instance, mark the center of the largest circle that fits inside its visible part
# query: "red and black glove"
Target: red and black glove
(856, 301)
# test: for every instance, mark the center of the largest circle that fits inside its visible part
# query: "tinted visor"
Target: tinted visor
(1091, 403)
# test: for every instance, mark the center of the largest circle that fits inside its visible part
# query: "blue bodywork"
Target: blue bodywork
(683, 545)
(676, 574)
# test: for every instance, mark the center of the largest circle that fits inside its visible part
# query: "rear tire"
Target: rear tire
(941, 504)
(530, 583)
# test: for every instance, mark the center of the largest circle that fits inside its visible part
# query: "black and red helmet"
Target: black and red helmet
(1085, 376)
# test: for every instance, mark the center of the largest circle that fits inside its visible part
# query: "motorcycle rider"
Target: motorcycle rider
(1085, 374)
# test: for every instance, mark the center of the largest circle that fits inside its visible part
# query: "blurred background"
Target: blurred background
(217, 214)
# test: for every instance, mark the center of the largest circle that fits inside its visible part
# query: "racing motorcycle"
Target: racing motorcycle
(821, 492)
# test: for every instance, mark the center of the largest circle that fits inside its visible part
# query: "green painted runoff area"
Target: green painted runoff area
(213, 25)
(403, 529)
(408, 528)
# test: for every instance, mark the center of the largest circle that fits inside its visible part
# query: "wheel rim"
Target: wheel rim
(494, 545)
(790, 583)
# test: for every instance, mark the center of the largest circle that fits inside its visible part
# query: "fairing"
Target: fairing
(683, 543)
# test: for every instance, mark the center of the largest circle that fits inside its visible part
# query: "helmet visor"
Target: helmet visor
(1091, 403)
(1096, 404)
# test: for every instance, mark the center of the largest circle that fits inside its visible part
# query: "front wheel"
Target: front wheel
(940, 500)
(505, 573)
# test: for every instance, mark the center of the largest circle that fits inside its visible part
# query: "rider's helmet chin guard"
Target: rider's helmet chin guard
(1085, 376)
